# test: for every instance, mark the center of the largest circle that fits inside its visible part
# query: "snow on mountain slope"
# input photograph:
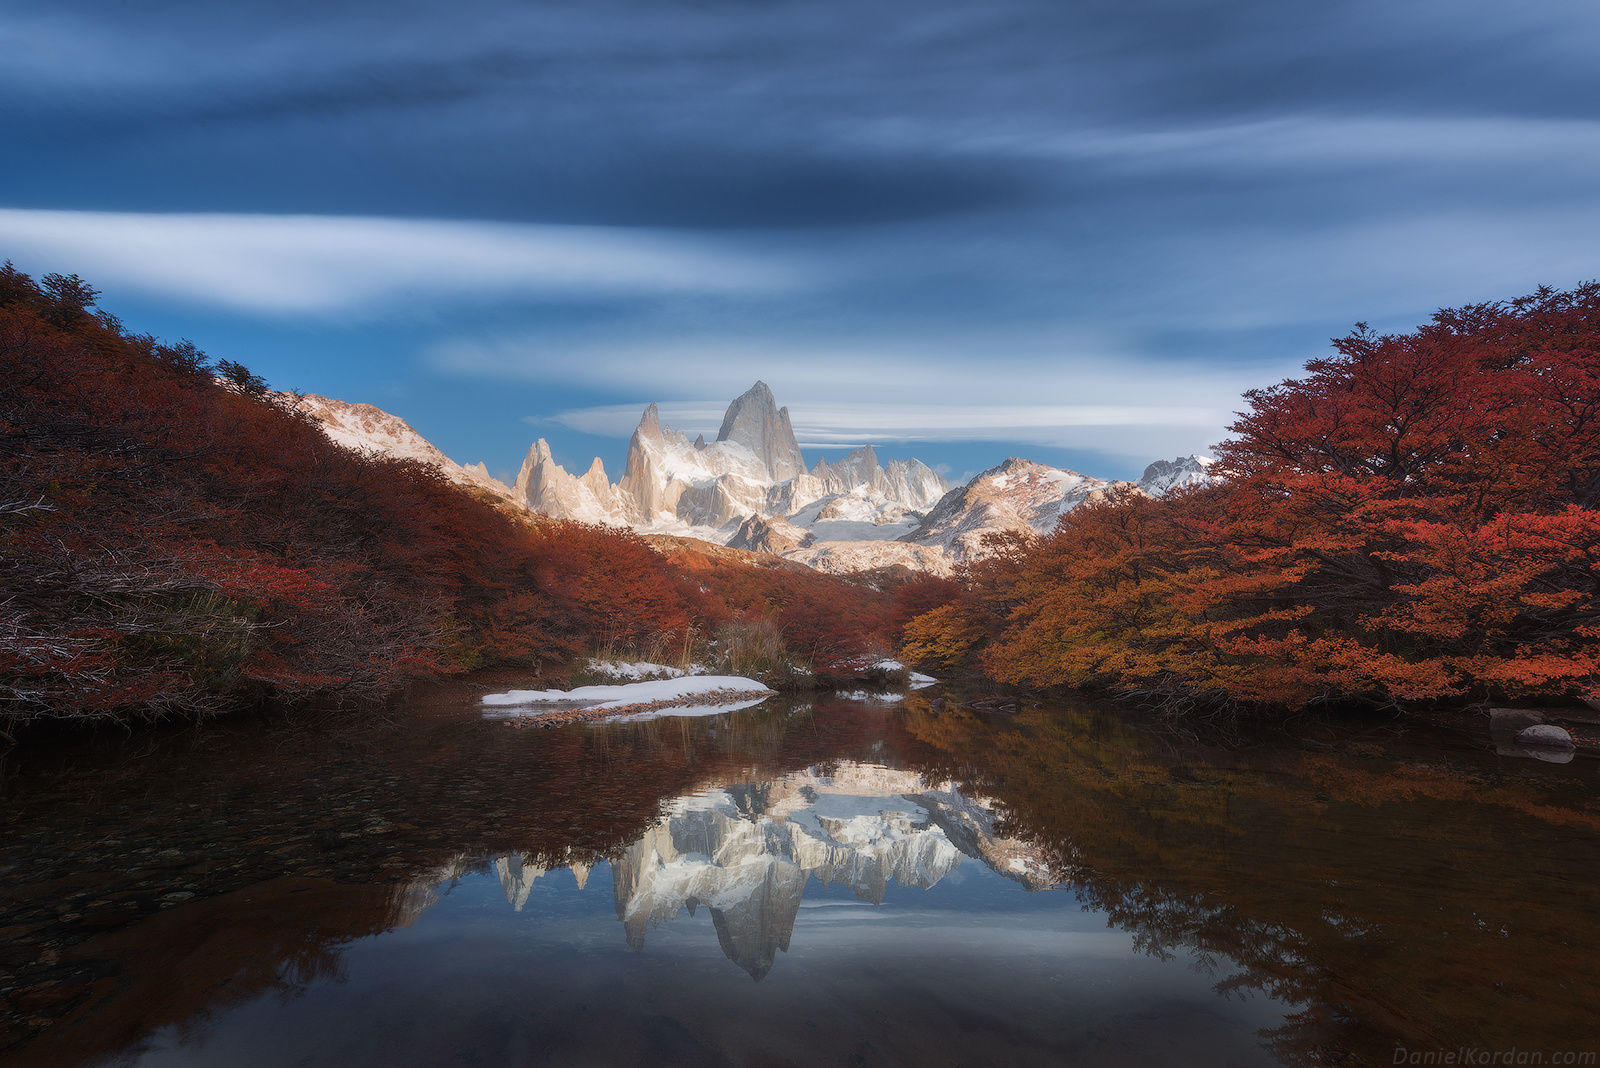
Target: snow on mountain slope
(1019, 496)
(854, 557)
(753, 469)
(369, 429)
(859, 515)
(1164, 476)
(750, 489)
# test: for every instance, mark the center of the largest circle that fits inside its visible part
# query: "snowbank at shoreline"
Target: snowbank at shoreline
(631, 693)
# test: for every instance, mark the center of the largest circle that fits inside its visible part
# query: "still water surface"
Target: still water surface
(802, 882)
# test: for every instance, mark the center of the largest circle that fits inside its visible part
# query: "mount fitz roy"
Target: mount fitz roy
(753, 468)
(751, 489)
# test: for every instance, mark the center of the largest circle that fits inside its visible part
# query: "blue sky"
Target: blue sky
(958, 230)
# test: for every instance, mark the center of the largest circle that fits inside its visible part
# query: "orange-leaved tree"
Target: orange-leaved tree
(1413, 520)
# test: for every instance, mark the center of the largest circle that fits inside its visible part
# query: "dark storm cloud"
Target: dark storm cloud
(785, 114)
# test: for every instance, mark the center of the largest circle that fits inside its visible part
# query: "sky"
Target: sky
(1074, 230)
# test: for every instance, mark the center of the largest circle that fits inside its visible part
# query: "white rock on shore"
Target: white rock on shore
(1545, 736)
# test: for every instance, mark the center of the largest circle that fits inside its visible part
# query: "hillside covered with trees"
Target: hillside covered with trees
(1415, 521)
(174, 539)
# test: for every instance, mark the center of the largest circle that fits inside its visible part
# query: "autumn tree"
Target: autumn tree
(1414, 520)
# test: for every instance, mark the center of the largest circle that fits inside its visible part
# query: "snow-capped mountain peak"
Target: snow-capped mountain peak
(1018, 496)
(1164, 476)
(750, 488)
(755, 421)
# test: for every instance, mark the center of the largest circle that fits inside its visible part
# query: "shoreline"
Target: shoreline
(561, 717)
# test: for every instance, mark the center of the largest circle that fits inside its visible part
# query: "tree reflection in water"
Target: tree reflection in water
(1389, 889)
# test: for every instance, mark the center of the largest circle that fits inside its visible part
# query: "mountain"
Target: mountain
(750, 489)
(755, 421)
(588, 498)
(754, 469)
(909, 482)
(776, 536)
(368, 429)
(1024, 497)
(1019, 496)
(1164, 476)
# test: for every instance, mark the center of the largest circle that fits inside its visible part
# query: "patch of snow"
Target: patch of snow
(850, 557)
(635, 669)
(843, 530)
(630, 693)
(683, 529)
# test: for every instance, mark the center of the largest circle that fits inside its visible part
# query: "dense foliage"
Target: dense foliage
(176, 538)
(1415, 520)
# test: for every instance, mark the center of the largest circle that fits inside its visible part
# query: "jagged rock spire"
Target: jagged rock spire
(650, 421)
(755, 421)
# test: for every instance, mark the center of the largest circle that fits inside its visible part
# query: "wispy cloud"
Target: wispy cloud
(1325, 141)
(287, 264)
(1112, 403)
(852, 424)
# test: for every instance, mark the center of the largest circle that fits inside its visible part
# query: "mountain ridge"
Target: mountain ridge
(750, 488)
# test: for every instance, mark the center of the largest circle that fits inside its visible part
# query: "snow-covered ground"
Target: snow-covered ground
(640, 669)
(848, 557)
(888, 697)
(916, 678)
(629, 693)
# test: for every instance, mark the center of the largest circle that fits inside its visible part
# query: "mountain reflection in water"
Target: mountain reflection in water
(746, 853)
(945, 886)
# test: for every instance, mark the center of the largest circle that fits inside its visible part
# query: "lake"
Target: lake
(805, 881)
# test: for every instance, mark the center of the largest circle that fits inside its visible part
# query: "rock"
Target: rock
(768, 536)
(1587, 713)
(547, 487)
(755, 421)
(1545, 736)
